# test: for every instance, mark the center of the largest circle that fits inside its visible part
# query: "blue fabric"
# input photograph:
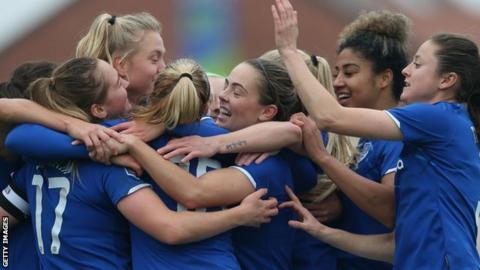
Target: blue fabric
(92, 234)
(437, 188)
(376, 159)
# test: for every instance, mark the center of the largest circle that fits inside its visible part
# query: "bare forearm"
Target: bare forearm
(193, 226)
(263, 137)
(172, 179)
(320, 104)
(376, 199)
(22, 110)
(376, 247)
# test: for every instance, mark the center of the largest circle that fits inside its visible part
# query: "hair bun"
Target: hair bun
(385, 23)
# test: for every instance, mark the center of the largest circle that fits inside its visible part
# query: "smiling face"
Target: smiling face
(355, 81)
(116, 102)
(217, 84)
(144, 65)
(240, 100)
(422, 79)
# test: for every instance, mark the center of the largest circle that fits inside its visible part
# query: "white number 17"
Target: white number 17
(54, 182)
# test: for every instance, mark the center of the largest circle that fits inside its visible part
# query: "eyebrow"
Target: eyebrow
(348, 65)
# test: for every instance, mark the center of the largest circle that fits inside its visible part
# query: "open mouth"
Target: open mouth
(225, 112)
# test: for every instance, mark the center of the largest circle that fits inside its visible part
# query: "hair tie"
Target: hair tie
(51, 83)
(111, 21)
(186, 74)
(314, 60)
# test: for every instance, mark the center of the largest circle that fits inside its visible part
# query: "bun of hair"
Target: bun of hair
(385, 23)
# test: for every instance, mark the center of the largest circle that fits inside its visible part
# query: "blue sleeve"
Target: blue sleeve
(120, 182)
(204, 128)
(389, 157)
(36, 142)
(421, 123)
(304, 172)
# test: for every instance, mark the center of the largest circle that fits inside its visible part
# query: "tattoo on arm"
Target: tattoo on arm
(235, 145)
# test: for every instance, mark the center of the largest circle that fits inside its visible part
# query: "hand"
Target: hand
(245, 159)
(91, 135)
(286, 26)
(191, 146)
(129, 162)
(258, 211)
(307, 221)
(312, 138)
(106, 150)
(146, 132)
(325, 211)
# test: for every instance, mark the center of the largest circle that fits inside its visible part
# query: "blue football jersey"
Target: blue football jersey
(271, 245)
(376, 159)
(74, 214)
(437, 188)
(212, 253)
(21, 249)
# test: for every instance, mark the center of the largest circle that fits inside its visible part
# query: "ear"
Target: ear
(120, 65)
(98, 111)
(385, 78)
(448, 80)
(268, 113)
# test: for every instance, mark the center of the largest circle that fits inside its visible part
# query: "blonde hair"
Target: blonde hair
(71, 90)
(341, 147)
(180, 95)
(109, 34)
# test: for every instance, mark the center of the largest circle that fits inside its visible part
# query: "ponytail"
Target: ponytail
(43, 92)
(180, 95)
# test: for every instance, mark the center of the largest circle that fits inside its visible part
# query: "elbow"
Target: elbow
(192, 199)
(172, 235)
(294, 134)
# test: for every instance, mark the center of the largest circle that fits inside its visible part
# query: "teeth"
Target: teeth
(224, 112)
(342, 96)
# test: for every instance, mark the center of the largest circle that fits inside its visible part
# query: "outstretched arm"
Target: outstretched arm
(321, 105)
(215, 188)
(375, 247)
(145, 209)
(26, 111)
(262, 137)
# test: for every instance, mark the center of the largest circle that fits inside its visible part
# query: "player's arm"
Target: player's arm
(13, 205)
(375, 247)
(145, 209)
(215, 188)
(328, 114)
(26, 111)
(262, 137)
(376, 199)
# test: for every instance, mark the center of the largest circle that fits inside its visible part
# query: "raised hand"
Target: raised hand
(191, 146)
(286, 26)
(257, 210)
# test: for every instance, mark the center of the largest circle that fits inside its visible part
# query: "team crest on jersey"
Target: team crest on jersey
(399, 165)
(364, 149)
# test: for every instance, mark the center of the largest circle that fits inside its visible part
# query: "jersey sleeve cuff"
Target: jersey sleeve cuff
(247, 174)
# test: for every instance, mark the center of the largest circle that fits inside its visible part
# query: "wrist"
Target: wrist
(322, 158)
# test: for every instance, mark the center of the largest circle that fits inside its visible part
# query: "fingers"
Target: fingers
(292, 195)
(259, 193)
(262, 158)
